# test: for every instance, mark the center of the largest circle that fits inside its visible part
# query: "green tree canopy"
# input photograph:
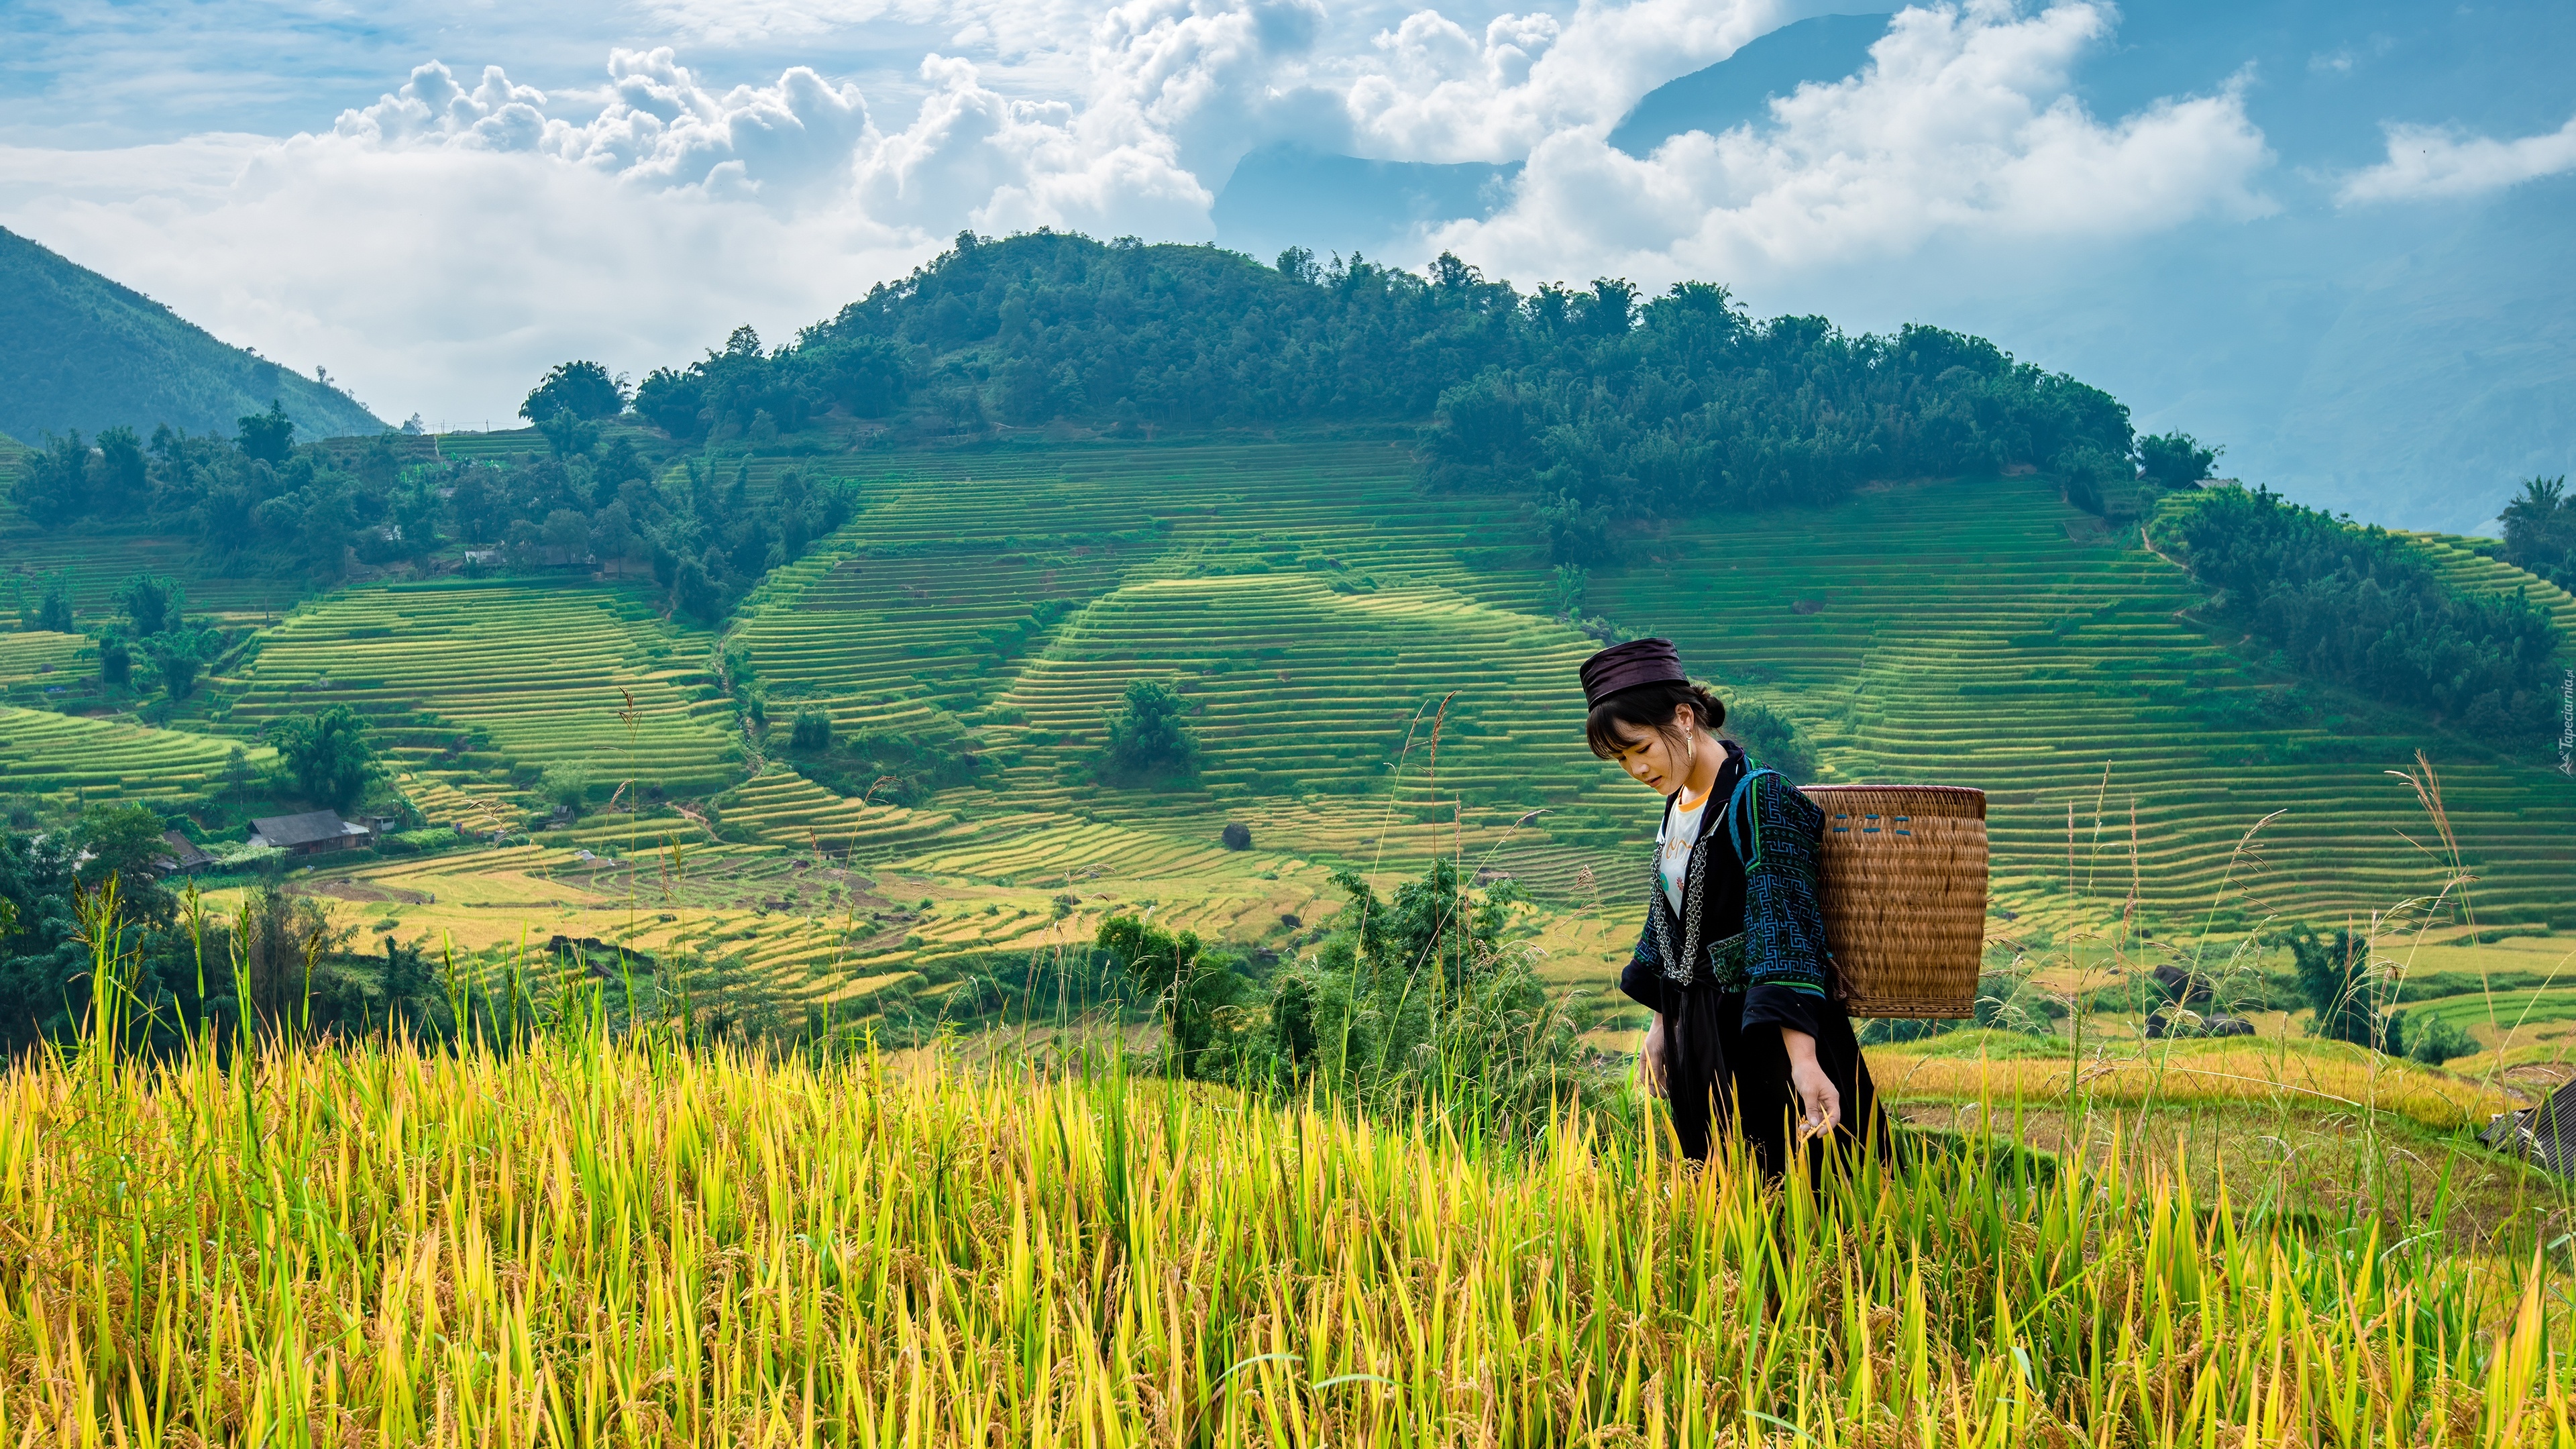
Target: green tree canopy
(2175, 460)
(181, 656)
(268, 437)
(54, 611)
(328, 755)
(2362, 608)
(122, 842)
(583, 389)
(1146, 737)
(152, 603)
(1188, 982)
(2540, 530)
(2334, 975)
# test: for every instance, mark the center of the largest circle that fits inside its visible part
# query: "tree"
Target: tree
(697, 595)
(2365, 608)
(568, 436)
(583, 389)
(2434, 1040)
(328, 755)
(1772, 739)
(54, 485)
(237, 774)
(2540, 530)
(151, 602)
(2175, 460)
(612, 534)
(2334, 975)
(122, 842)
(268, 437)
(813, 731)
(181, 656)
(1147, 737)
(566, 784)
(1189, 984)
(567, 536)
(119, 482)
(55, 611)
(115, 661)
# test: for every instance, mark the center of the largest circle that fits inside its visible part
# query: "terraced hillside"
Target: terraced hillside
(94, 564)
(2466, 563)
(73, 760)
(1315, 609)
(476, 679)
(1980, 632)
(1961, 633)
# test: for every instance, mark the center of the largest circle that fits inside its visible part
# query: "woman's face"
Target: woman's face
(1652, 759)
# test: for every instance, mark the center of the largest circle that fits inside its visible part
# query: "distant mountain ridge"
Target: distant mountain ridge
(79, 351)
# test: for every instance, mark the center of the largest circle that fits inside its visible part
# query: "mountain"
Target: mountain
(78, 351)
(1738, 90)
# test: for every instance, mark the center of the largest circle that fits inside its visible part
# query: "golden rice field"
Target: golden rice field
(593, 1243)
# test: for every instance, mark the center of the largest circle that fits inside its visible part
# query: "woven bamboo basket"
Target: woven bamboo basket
(1902, 880)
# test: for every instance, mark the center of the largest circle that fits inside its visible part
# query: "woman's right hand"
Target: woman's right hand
(1650, 1065)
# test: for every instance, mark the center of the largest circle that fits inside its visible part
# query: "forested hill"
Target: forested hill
(80, 352)
(1611, 401)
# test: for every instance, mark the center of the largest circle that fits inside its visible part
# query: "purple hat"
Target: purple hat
(1625, 666)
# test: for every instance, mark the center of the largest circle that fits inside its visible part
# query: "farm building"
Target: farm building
(184, 857)
(310, 833)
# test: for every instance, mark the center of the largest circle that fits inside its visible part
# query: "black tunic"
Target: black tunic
(1724, 1065)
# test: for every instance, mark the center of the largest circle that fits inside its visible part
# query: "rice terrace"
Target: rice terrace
(1023, 867)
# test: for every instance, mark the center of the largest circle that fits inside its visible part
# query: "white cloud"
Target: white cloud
(1440, 93)
(446, 279)
(441, 246)
(1963, 124)
(657, 127)
(2429, 162)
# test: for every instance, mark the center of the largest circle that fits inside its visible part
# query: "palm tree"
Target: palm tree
(2540, 525)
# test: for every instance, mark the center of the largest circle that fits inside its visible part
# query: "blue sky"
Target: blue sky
(2328, 235)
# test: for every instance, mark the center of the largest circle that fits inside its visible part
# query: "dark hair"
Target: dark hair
(1649, 706)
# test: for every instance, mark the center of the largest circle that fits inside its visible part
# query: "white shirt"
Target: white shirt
(1674, 841)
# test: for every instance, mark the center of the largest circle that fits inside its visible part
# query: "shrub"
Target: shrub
(2433, 1041)
(2334, 977)
(813, 731)
(1189, 984)
(1772, 739)
(566, 784)
(328, 755)
(1147, 736)
(1236, 836)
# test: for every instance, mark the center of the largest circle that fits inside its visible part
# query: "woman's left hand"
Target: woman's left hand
(1820, 1103)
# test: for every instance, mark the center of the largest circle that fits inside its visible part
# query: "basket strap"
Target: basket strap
(1743, 822)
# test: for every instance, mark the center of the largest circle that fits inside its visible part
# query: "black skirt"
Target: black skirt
(1720, 1077)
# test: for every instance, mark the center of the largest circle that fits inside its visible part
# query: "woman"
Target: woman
(1749, 1032)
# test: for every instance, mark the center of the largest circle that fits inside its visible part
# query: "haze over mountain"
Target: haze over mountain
(2321, 234)
(80, 353)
